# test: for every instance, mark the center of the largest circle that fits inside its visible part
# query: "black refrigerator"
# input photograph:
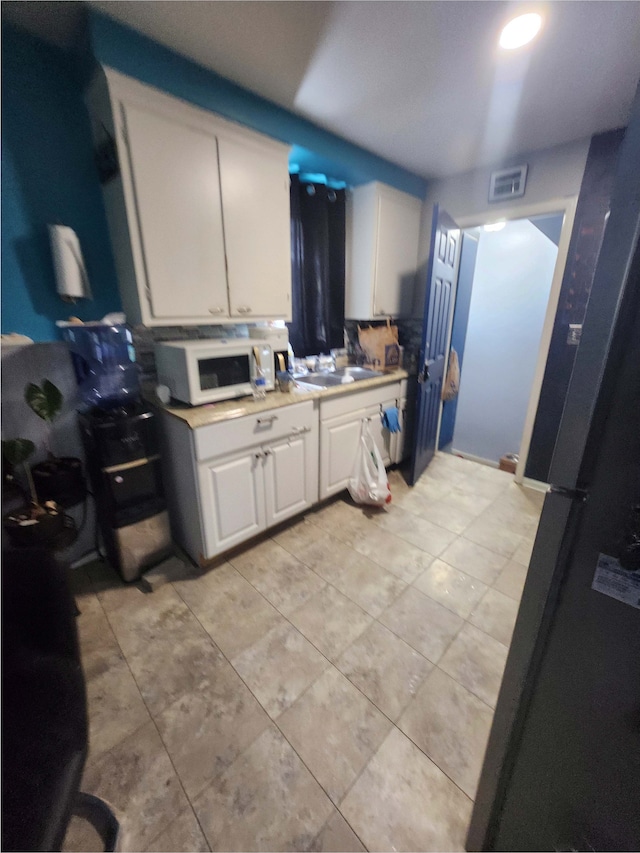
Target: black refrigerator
(562, 767)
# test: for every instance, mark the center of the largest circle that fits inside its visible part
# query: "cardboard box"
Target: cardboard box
(509, 462)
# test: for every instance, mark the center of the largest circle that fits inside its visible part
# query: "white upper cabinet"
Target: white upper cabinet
(383, 230)
(257, 227)
(198, 213)
(176, 182)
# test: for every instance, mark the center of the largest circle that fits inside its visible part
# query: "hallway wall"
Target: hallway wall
(511, 286)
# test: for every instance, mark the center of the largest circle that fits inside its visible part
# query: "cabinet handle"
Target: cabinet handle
(300, 430)
(259, 455)
(268, 453)
(216, 310)
(244, 309)
(380, 313)
(267, 421)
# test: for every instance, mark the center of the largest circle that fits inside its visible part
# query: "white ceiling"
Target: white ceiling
(420, 83)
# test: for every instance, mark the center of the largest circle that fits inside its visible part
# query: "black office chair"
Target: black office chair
(44, 709)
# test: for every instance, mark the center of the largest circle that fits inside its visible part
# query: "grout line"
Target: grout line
(392, 722)
(193, 812)
(151, 719)
(484, 701)
(326, 823)
(330, 663)
(271, 721)
(328, 535)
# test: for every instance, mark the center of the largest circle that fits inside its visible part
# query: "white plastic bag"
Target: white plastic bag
(368, 483)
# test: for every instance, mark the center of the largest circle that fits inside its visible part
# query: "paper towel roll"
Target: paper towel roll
(72, 280)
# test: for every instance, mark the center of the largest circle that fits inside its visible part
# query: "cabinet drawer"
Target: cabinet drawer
(346, 403)
(233, 435)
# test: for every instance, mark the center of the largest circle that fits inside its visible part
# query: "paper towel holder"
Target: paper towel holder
(72, 281)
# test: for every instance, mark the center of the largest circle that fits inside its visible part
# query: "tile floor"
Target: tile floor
(330, 688)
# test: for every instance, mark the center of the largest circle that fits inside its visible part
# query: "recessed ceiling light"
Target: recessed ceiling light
(520, 30)
(495, 226)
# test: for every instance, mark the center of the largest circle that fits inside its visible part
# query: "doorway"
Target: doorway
(505, 302)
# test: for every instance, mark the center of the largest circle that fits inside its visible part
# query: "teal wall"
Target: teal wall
(316, 150)
(48, 173)
(48, 176)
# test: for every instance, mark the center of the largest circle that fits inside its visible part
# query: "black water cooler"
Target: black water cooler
(123, 461)
(120, 435)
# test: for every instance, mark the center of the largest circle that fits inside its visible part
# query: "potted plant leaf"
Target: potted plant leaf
(58, 479)
(34, 523)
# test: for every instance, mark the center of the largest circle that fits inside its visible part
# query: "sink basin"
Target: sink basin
(357, 373)
(324, 380)
(343, 376)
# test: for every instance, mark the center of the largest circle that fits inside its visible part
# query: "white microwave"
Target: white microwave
(198, 372)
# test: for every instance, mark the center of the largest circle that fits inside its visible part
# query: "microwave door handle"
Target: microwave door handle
(256, 356)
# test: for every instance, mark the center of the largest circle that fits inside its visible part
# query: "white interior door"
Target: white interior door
(257, 227)
(177, 189)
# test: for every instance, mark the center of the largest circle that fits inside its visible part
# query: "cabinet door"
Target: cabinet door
(339, 440)
(385, 440)
(291, 476)
(396, 254)
(176, 183)
(257, 228)
(401, 437)
(232, 500)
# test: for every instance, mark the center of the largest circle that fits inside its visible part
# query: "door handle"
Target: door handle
(267, 421)
(423, 376)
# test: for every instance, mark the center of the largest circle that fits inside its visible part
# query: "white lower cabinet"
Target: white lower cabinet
(339, 439)
(243, 494)
(229, 481)
(232, 500)
(290, 476)
(341, 421)
(385, 440)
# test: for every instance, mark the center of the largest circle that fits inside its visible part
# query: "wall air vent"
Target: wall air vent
(508, 183)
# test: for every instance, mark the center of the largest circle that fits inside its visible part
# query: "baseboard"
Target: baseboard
(87, 558)
(488, 462)
(537, 485)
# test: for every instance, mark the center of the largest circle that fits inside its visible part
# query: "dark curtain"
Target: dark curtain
(318, 268)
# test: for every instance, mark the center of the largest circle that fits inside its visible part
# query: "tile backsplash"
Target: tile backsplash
(144, 338)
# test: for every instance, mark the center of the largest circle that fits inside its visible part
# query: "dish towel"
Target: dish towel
(391, 419)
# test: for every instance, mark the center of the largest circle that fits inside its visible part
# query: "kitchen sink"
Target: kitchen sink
(324, 380)
(357, 372)
(342, 376)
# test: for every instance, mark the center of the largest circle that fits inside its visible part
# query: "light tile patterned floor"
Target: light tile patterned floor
(330, 688)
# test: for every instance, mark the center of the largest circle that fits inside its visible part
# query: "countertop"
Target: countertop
(211, 413)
